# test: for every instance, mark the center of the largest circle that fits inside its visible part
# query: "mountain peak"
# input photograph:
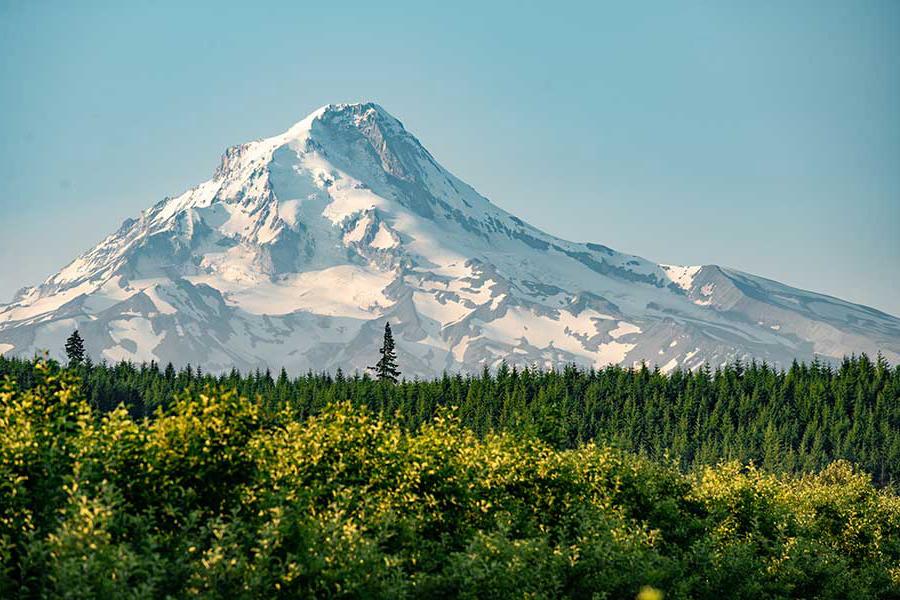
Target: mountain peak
(355, 114)
(356, 108)
(302, 245)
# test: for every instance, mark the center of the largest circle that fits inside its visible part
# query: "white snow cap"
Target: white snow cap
(303, 244)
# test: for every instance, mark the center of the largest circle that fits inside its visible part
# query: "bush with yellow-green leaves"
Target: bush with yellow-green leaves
(212, 498)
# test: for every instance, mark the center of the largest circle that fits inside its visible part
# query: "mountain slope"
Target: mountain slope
(302, 244)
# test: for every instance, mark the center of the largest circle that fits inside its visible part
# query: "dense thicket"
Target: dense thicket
(798, 420)
(218, 496)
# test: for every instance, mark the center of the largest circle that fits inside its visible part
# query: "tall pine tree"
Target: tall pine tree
(75, 349)
(386, 368)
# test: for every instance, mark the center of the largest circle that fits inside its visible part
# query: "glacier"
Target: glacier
(301, 245)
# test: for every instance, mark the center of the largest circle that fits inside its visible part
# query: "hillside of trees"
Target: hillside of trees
(254, 488)
(798, 420)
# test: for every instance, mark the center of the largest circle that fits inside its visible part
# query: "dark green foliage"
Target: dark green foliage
(75, 349)
(218, 496)
(797, 420)
(386, 368)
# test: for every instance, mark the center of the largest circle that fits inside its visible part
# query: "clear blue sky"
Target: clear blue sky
(761, 136)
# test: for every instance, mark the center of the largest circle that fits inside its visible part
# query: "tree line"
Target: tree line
(798, 419)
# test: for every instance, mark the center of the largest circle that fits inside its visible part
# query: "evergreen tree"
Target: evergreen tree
(75, 349)
(386, 368)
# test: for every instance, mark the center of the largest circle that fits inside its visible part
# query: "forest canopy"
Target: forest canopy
(795, 420)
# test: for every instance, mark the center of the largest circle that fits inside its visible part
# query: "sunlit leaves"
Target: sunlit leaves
(210, 498)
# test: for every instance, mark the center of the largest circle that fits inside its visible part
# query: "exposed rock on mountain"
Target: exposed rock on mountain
(302, 244)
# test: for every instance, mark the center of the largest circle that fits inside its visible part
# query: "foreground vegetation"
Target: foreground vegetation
(221, 496)
(795, 421)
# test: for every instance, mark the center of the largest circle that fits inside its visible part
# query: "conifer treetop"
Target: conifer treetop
(386, 369)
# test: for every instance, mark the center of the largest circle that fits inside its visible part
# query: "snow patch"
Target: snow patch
(612, 353)
(384, 239)
(358, 232)
(341, 291)
(669, 366)
(683, 277)
(161, 305)
(139, 332)
(624, 328)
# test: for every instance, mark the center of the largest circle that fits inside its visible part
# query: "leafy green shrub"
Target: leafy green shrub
(212, 498)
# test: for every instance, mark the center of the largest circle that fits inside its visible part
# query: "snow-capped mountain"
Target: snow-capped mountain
(303, 244)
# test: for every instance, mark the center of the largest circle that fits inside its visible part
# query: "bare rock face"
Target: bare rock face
(302, 244)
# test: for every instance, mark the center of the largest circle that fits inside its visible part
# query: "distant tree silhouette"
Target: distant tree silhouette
(386, 368)
(75, 349)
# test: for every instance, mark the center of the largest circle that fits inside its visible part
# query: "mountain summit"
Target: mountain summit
(303, 244)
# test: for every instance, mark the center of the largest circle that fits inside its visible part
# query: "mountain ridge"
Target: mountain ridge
(303, 243)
